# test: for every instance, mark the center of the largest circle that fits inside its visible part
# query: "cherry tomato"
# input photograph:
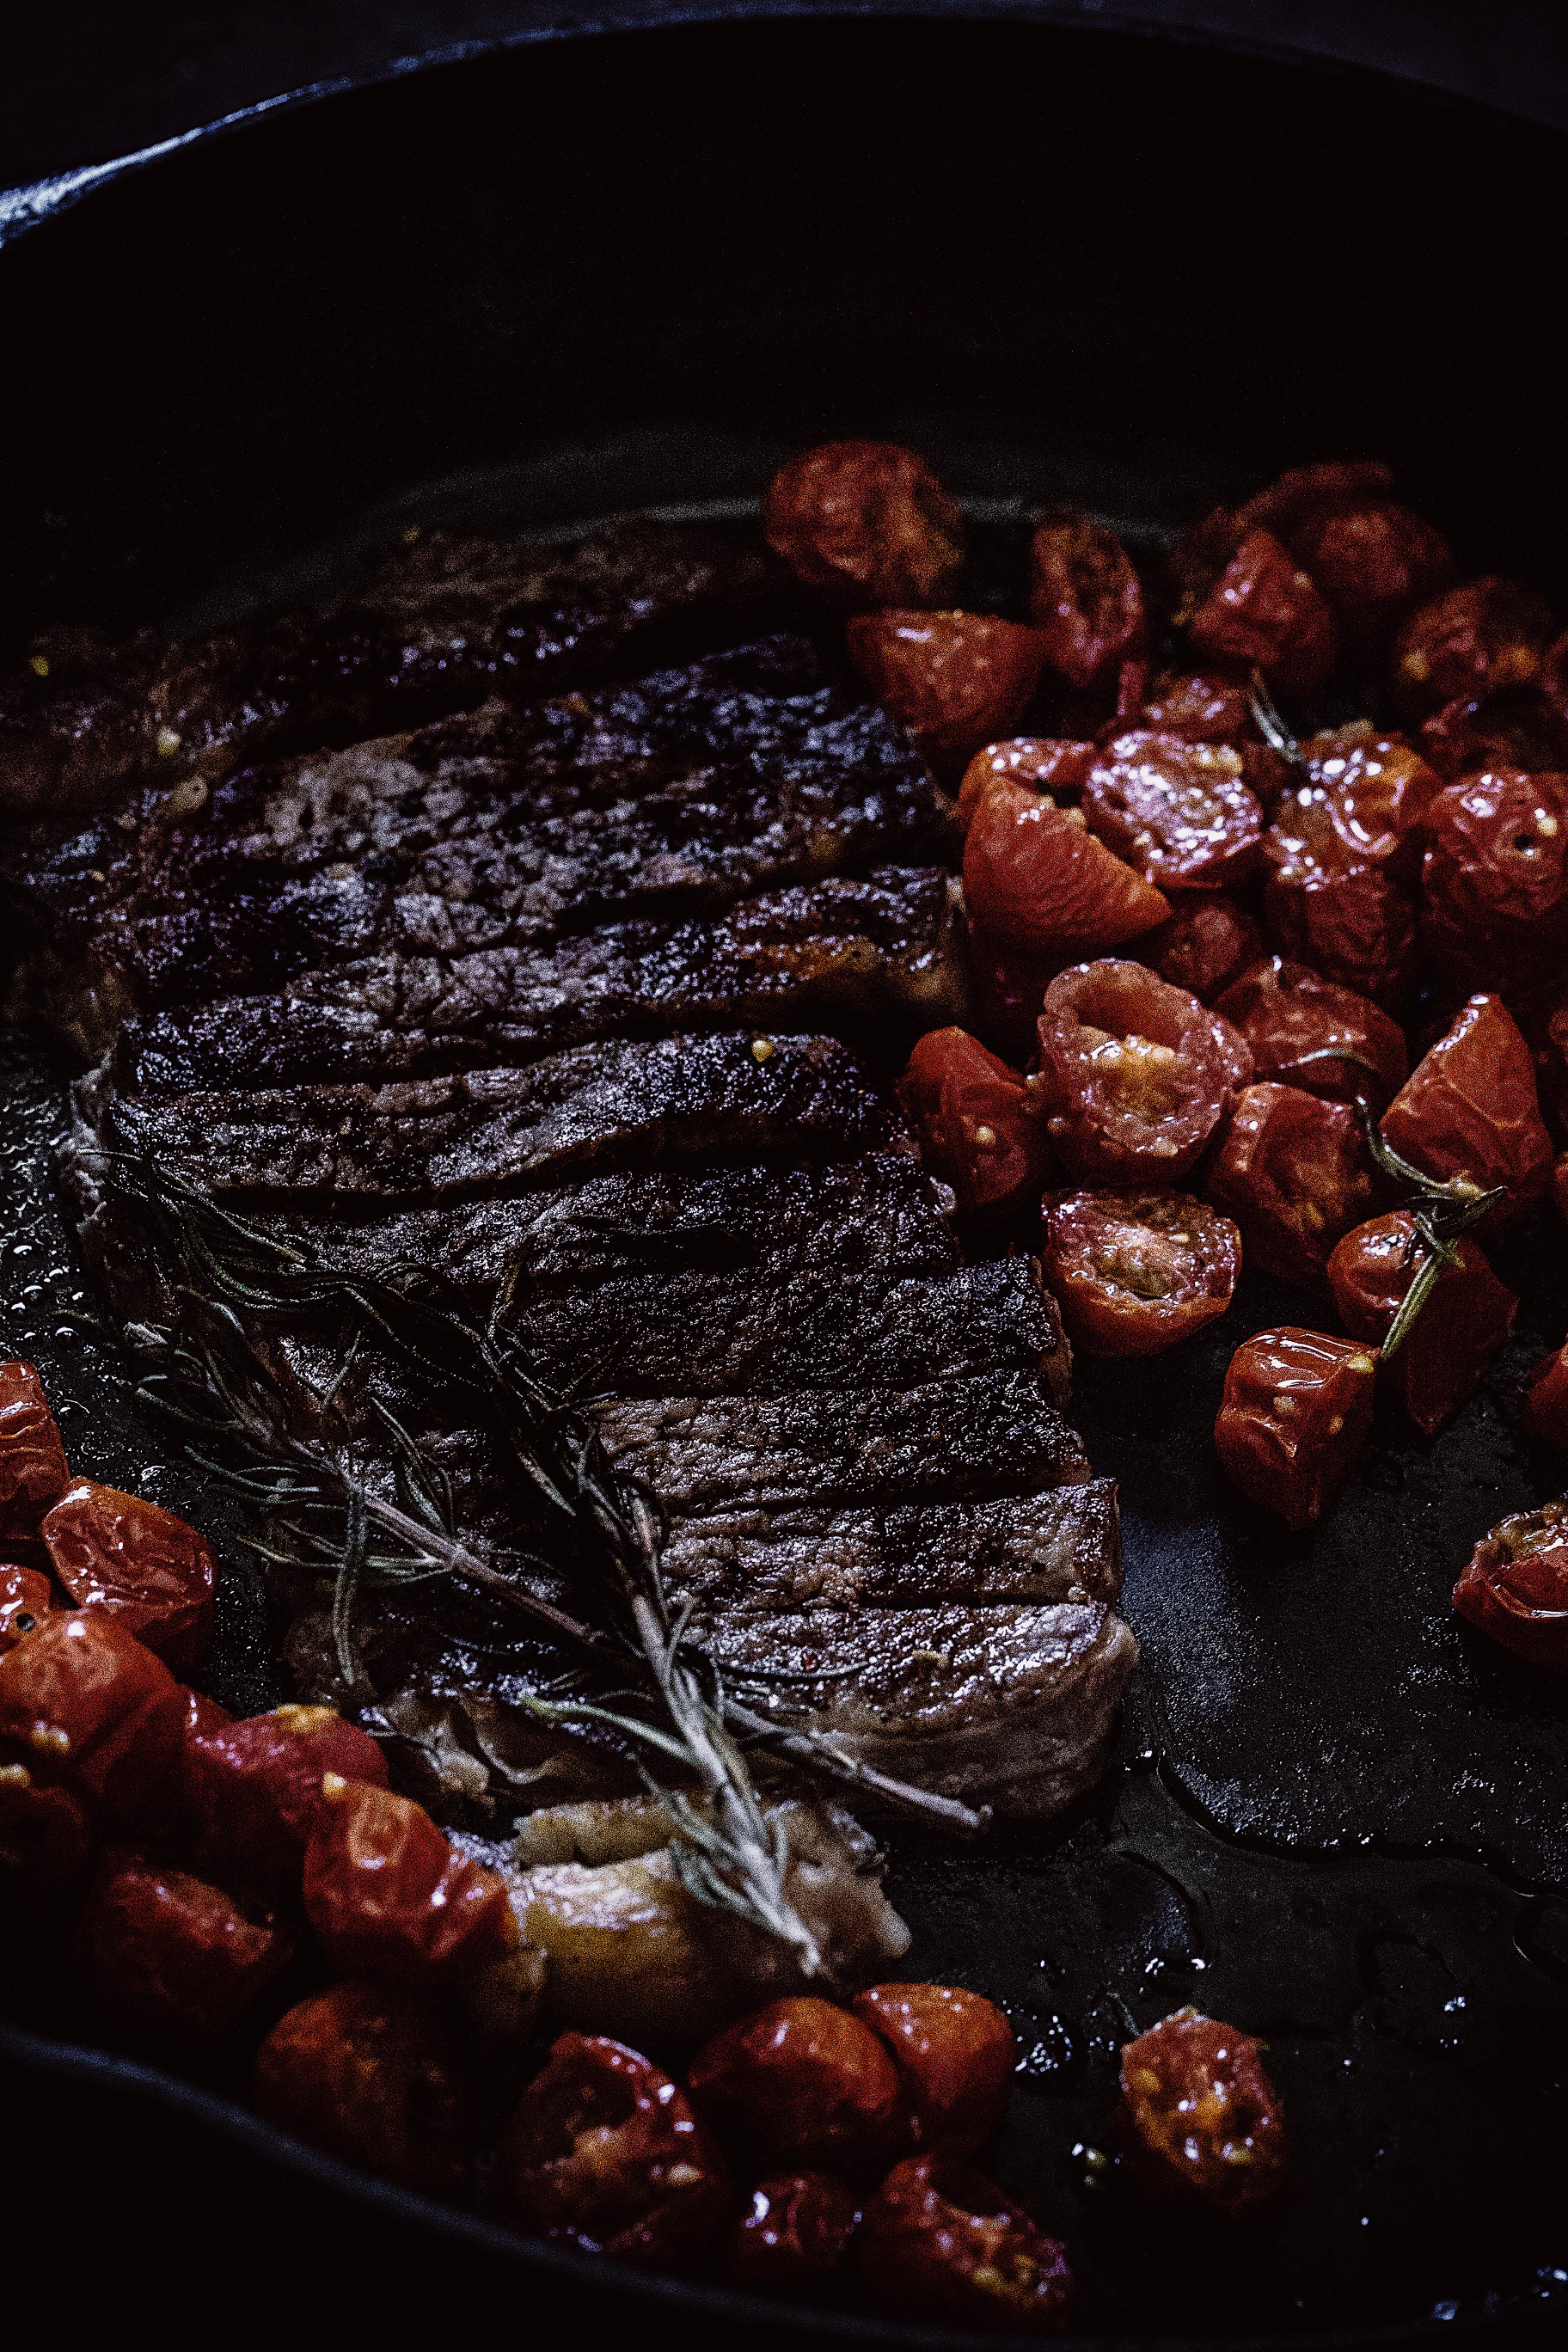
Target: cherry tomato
(1295, 1412)
(1135, 1272)
(1178, 812)
(1085, 600)
(1047, 763)
(1297, 1024)
(1544, 1414)
(1304, 497)
(1467, 736)
(385, 1891)
(1035, 878)
(865, 523)
(1355, 923)
(1200, 2119)
(979, 1126)
(169, 1958)
(25, 1599)
(1210, 706)
(1469, 1110)
(45, 1847)
(1008, 986)
(253, 1789)
(602, 2151)
(955, 681)
(137, 1563)
(33, 1473)
(1373, 791)
(793, 2238)
(956, 2054)
(1494, 881)
(1372, 564)
(941, 2244)
(1515, 1588)
(1264, 609)
(203, 1715)
(1207, 943)
(370, 2073)
(1543, 1017)
(1485, 637)
(1464, 1322)
(800, 2084)
(1135, 1075)
(83, 1703)
(1295, 1173)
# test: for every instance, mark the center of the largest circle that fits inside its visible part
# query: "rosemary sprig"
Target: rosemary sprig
(1442, 1212)
(1272, 724)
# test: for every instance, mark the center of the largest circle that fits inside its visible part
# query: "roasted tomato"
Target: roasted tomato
(1008, 986)
(1210, 706)
(1047, 763)
(1374, 563)
(1494, 882)
(1178, 812)
(1354, 923)
(1085, 600)
(1303, 496)
(253, 1788)
(978, 1124)
(1264, 609)
(1544, 1414)
(793, 2238)
(1325, 1039)
(24, 1599)
(83, 1703)
(1135, 1075)
(955, 2054)
(940, 2244)
(203, 1714)
(1035, 878)
(1515, 1586)
(1469, 1109)
(955, 681)
(45, 1845)
(801, 2082)
(1296, 1411)
(865, 523)
(1207, 943)
(1295, 1173)
(1485, 637)
(1135, 1272)
(1467, 737)
(169, 1958)
(1200, 2120)
(604, 2151)
(372, 2074)
(1373, 793)
(1464, 1322)
(385, 1891)
(33, 1473)
(137, 1563)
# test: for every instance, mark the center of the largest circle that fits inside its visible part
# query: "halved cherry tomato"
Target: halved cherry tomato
(1135, 1075)
(1372, 792)
(1544, 1414)
(1483, 639)
(1355, 923)
(793, 2238)
(25, 1598)
(1299, 1025)
(83, 1703)
(979, 1126)
(1296, 1412)
(1035, 878)
(955, 2054)
(604, 2151)
(1264, 609)
(1178, 812)
(1372, 563)
(1295, 1173)
(33, 1473)
(253, 1789)
(1008, 986)
(1210, 706)
(1207, 943)
(371, 2073)
(941, 2244)
(1469, 1110)
(1047, 763)
(801, 2083)
(1464, 1322)
(1200, 2119)
(1135, 1272)
(137, 1563)
(169, 1958)
(1085, 600)
(865, 523)
(385, 1891)
(1494, 881)
(1515, 1588)
(955, 681)
(45, 1847)
(1468, 737)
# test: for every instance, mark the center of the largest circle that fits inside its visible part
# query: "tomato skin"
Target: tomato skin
(1544, 1412)
(1372, 564)
(385, 1891)
(1466, 737)
(1469, 1109)
(940, 2243)
(1464, 1322)
(604, 2151)
(46, 1843)
(169, 1958)
(1209, 705)
(203, 1715)
(33, 1473)
(1484, 638)
(1355, 924)
(25, 1597)
(956, 2054)
(1375, 791)
(865, 523)
(1515, 1586)
(1035, 878)
(1135, 1075)
(1134, 1273)
(370, 2073)
(1085, 600)
(1177, 812)
(801, 2083)
(1304, 497)
(1286, 1013)
(1295, 1173)
(1296, 1410)
(1193, 2089)
(1208, 942)
(84, 1703)
(955, 681)
(253, 1789)
(1264, 609)
(138, 1563)
(1494, 881)
(1045, 763)
(956, 1094)
(794, 2237)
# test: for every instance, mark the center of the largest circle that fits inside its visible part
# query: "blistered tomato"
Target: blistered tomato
(1296, 1412)
(865, 523)
(1047, 763)
(793, 2238)
(1035, 878)
(373, 2075)
(137, 1563)
(1135, 1075)
(253, 1788)
(1200, 705)
(1469, 1110)
(385, 1891)
(1485, 637)
(1543, 1413)
(1207, 943)
(1515, 1589)
(955, 681)
(955, 2054)
(25, 1599)
(1200, 2119)
(1494, 882)
(1304, 497)
(1264, 609)
(1373, 791)
(84, 1703)
(1352, 917)
(1467, 737)
(45, 1845)
(978, 1125)
(33, 1473)
(169, 1958)
(1465, 1320)
(1295, 1173)
(1135, 1272)
(1325, 1039)
(1178, 812)
(800, 2084)
(941, 2244)
(1085, 600)
(1373, 564)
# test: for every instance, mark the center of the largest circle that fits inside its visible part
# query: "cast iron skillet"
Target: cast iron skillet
(631, 271)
